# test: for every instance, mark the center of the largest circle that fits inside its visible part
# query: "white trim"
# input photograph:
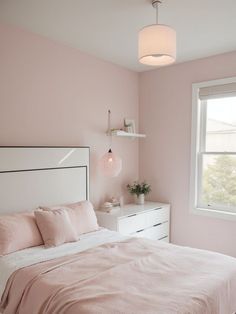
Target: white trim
(216, 207)
(218, 153)
(201, 146)
(196, 141)
(213, 213)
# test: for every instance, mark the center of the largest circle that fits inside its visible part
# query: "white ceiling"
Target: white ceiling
(109, 29)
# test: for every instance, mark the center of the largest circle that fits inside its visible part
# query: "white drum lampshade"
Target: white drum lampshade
(157, 45)
(110, 164)
(157, 42)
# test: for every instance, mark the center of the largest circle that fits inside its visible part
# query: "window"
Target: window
(213, 160)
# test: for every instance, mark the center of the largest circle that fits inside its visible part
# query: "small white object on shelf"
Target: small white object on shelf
(151, 220)
(126, 134)
(128, 123)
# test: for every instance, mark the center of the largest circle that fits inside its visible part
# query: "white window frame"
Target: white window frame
(195, 208)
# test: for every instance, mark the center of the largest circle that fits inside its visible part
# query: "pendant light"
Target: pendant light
(157, 43)
(110, 164)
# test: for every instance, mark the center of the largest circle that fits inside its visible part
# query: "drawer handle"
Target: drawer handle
(157, 225)
(157, 208)
(132, 215)
(139, 230)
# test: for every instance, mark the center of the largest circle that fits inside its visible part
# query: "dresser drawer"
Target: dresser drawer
(155, 233)
(131, 224)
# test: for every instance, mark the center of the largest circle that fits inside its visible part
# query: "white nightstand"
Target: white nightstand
(151, 220)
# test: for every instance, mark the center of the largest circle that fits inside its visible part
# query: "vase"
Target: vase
(139, 199)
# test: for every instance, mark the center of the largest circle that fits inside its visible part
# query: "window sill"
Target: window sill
(214, 213)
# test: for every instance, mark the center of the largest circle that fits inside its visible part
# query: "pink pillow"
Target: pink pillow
(55, 227)
(82, 216)
(17, 232)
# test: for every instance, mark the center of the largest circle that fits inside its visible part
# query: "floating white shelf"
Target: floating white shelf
(126, 134)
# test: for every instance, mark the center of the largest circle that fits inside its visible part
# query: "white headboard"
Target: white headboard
(34, 176)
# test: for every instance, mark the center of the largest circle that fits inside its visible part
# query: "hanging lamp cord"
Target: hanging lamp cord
(109, 129)
(109, 122)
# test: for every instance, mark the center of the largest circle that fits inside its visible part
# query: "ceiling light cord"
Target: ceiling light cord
(157, 13)
(155, 4)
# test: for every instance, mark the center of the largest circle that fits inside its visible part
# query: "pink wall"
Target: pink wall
(51, 94)
(165, 116)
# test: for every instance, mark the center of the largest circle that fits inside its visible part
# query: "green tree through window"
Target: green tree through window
(219, 181)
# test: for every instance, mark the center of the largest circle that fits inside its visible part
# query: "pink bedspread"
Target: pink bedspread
(133, 276)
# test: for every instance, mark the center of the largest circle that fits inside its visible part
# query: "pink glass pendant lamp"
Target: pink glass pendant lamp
(110, 163)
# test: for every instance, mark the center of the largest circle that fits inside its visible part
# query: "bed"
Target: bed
(102, 272)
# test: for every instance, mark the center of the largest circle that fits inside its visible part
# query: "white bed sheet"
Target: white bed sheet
(14, 261)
